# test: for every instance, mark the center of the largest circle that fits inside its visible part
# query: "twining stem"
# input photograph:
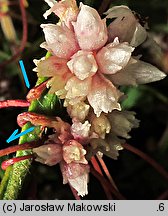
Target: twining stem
(14, 103)
(163, 196)
(106, 183)
(5, 164)
(96, 165)
(24, 146)
(105, 169)
(98, 170)
(148, 159)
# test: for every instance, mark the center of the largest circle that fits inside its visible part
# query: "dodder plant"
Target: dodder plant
(86, 64)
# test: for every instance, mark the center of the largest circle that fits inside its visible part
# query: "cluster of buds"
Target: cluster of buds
(89, 62)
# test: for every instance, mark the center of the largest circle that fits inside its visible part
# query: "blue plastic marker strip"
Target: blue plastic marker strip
(24, 73)
(14, 136)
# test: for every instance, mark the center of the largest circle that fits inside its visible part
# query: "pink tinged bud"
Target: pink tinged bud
(49, 154)
(137, 72)
(77, 90)
(74, 152)
(83, 64)
(66, 10)
(77, 175)
(125, 26)
(103, 96)
(114, 57)
(57, 69)
(81, 132)
(59, 40)
(52, 66)
(90, 30)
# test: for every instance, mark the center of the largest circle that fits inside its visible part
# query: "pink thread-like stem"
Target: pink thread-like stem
(24, 146)
(14, 103)
(107, 184)
(148, 159)
(12, 161)
(105, 169)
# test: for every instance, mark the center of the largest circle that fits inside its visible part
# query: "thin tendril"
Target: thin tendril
(105, 169)
(148, 159)
(24, 146)
(106, 183)
(14, 103)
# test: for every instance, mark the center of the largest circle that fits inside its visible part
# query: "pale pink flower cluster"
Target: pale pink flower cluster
(89, 61)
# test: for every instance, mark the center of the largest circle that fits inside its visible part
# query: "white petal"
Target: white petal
(90, 30)
(137, 72)
(59, 40)
(103, 96)
(78, 111)
(139, 36)
(125, 26)
(80, 130)
(114, 57)
(77, 89)
(50, 2)
(83, 64)
(80, 184)
(122, 122)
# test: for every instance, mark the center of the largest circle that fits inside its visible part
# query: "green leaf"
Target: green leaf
(47, 105)
(133, 94)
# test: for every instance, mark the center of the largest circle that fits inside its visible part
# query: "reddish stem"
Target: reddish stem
(96, 165)
(148, 159)
(9, 162)
(106, 184)
(163, 196)
(98, 169)
(14, 103)
(36, 92)
(35, 119)
(24, 146)
(105, 169)
(24, 37)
